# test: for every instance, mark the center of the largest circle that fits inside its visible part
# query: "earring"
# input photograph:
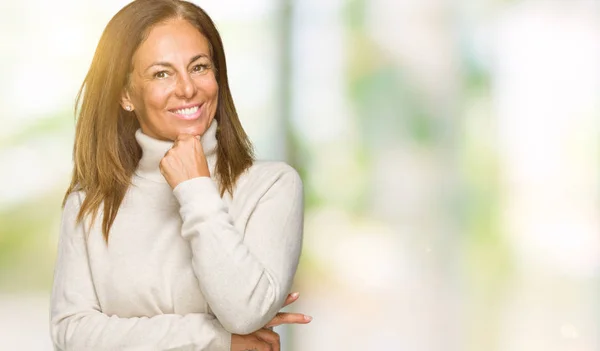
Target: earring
(128, 108)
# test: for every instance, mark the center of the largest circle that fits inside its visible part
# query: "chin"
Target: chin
(196, 129)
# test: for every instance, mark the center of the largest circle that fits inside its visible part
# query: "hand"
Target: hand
(265, 338)
(185, 160)
(261, 340)
(289, 318)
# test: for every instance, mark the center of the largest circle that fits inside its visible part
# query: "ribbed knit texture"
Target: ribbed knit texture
(184, 268)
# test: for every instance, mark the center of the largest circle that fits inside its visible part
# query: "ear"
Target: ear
(126, 102)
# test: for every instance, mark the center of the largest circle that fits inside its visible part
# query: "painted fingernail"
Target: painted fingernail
(295, 295)
(308, 318)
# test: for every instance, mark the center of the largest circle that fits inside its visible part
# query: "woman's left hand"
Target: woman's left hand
(289, 318)
(185, 160)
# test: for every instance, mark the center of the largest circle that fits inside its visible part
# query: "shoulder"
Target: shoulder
(72, 205)
(268, 176)
(274, 173)
(73, 201)
(71, 226)
(276, 170)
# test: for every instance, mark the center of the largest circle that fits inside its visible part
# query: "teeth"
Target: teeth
(187, 111)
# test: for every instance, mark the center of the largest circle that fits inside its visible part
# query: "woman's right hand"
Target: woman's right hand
(261, 340)
(266, 339)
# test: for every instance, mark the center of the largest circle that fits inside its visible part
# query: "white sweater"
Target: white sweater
(184, 268)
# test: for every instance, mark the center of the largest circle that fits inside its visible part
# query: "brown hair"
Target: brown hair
(106, 152)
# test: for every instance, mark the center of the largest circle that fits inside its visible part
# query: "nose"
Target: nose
(185, 86)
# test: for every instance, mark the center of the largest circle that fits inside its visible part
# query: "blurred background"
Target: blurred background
(449, 151)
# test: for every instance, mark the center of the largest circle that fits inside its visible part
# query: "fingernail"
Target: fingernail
(308, 318)
(295, 295)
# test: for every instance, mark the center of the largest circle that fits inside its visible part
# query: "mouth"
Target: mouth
(188, 113)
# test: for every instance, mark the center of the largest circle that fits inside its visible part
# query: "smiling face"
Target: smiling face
(172, 88)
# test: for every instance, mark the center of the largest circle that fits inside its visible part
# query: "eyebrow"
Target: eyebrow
(167, 64)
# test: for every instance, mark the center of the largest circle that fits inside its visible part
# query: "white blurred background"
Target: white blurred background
(449, 151)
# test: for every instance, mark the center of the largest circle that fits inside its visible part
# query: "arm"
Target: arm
(77, 321)
(245, 281)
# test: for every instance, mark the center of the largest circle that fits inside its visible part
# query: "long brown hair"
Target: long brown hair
(106, 152)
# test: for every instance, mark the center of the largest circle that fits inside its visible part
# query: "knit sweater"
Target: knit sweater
(184, 267)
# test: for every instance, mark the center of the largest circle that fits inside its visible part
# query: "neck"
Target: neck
(153, 150)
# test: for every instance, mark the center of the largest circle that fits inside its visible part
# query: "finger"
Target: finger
(188, 141)
(262, 345)
(162, 164)
(291, 298)
(180, 138)
(289, 318)
(249, 342)
(270, 337)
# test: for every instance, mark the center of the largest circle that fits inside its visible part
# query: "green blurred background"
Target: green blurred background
(449, 151)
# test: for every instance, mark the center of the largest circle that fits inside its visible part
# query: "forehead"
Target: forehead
(171, 41)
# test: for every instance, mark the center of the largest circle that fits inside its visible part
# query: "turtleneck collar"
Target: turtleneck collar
(153, 150)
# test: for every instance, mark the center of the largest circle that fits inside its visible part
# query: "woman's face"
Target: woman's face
(173, 89)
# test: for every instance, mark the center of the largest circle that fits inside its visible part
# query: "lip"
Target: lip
(187, 117)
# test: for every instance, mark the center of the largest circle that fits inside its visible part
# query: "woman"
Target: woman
(172, 236)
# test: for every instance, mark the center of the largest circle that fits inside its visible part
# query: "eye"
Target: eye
(160, 75)
(199, 68)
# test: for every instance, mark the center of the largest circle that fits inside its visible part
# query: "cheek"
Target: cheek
(208, 86)
(156, 96)
(214, 87)
(216, 90)
(151, 95)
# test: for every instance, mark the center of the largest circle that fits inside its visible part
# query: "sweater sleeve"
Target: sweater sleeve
(77, 321)
(245, 277)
